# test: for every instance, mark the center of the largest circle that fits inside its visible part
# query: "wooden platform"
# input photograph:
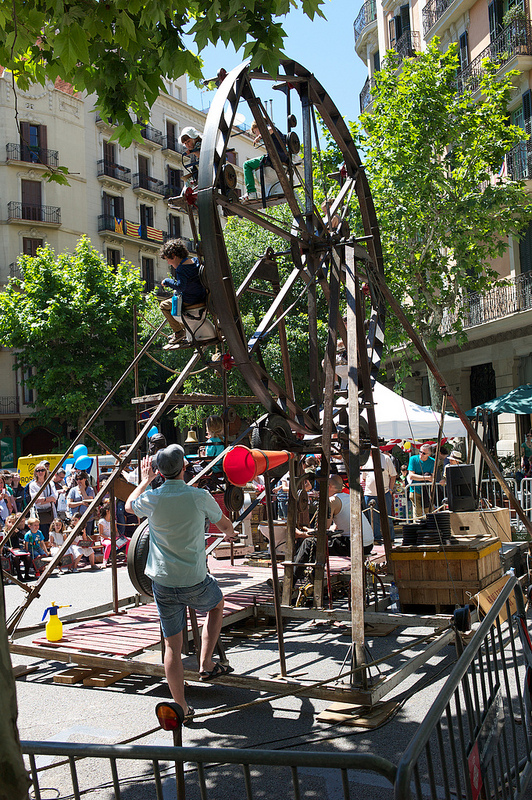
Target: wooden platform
(129, 641)
(131, 633)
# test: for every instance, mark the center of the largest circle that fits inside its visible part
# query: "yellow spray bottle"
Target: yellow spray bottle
(54, 626)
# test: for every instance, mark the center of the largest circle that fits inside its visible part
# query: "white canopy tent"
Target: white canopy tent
(399, 418)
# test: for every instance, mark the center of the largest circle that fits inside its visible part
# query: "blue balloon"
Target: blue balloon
(83, 462)
(153, 431)
(79, 450)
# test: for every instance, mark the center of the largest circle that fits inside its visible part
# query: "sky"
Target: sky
(325, 47)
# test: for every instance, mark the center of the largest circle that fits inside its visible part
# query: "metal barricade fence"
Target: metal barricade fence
(210, 773)
(492, 493)
(525, 498)
(475, 741)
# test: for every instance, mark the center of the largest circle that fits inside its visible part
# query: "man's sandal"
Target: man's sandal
(217, 671)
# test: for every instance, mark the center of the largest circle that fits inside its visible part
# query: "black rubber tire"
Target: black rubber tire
(273, 434)
(137, 555)
(234, 498)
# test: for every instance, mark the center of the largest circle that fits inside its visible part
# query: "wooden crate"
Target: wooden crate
(435, 577)
(492, 522)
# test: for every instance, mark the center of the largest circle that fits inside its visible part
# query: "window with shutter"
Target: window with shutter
(31, 193)
(174, 179)
(109, 154)
(33, 143)
(392, 33)
(463, 50)
(404, 15)
(495, 14)
(113, 206)
(144, 165)
(482, 384)
(171, 131)
(30, 246)
(146, 215)
(527, 111)
(113, 257)
(174, 226)
(525, 250)
(148, 273)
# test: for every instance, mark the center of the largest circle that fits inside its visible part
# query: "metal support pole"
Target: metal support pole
(275, 576)
(355, 490)
(114, 568)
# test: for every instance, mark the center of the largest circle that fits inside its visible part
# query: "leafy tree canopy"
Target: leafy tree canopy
(433, 158)
(71, 321)
(121, 49)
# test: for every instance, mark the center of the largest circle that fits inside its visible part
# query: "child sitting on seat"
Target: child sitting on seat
(83, 541)
(104, 529)
(279, 141)
(214, 427)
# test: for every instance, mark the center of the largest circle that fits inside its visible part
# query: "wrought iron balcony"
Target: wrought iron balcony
(172, 189)
(50, 215)
(432, 11)
(519, 161)
(108, 223)
(367, 14)
(115, 171)
(172, 143)
(152, 135)
(365, 94)
(14, 270)
(408, 44)
(151, 234)
(503, 299)
(514, 40)
(143, 181)
(9, 405)
(35, 155)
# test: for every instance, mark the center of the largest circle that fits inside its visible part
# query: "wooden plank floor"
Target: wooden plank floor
(130, 633)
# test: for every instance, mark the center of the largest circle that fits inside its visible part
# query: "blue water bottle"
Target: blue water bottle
(395, 605)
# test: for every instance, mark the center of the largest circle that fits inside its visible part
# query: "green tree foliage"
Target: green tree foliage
(121, 49)
(433, 157)
(70, 319)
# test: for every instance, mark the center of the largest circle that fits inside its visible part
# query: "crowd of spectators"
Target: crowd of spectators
(26, 546)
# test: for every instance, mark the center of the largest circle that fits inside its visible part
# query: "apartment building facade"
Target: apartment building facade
(498, 354)
(116, 196)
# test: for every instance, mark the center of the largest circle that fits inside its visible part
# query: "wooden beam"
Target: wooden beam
(138, 667)
(196, 399)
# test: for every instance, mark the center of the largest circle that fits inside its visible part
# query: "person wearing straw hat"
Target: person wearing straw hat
(176, 562)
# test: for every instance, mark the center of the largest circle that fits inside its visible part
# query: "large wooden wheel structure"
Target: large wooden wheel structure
(313, 243)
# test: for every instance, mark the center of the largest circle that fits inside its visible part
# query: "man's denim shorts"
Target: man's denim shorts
(172, 602)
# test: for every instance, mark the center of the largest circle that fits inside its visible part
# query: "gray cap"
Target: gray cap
(170, 460)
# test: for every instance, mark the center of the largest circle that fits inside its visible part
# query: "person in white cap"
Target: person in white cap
(191, 138)
(176, 563)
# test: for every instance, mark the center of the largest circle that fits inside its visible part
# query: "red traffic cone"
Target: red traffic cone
(241, 464)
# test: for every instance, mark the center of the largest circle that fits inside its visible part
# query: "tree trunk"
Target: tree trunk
(436, 396)
(14, 782)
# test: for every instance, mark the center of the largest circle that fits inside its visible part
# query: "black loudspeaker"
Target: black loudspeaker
(461, 487)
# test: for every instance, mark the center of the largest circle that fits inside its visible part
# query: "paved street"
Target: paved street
(48, 711)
